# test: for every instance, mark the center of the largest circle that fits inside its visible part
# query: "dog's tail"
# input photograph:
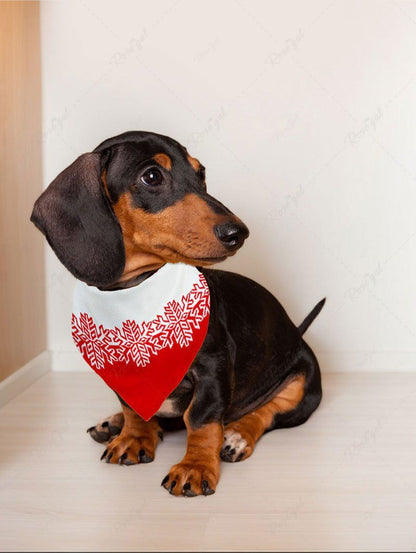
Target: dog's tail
(311, 317)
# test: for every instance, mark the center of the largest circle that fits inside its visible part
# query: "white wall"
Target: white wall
(304, 114)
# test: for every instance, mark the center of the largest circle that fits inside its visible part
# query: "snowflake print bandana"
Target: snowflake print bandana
(142, 340)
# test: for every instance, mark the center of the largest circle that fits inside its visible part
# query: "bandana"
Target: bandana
(142, 340)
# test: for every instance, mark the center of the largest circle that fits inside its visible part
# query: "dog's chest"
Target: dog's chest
(177, 403)
(171, 408)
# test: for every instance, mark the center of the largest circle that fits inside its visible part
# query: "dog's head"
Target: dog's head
(137, 201)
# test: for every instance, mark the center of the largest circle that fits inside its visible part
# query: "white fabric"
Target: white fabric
(146, 301)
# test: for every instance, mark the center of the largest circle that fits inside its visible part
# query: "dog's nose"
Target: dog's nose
(231, 235)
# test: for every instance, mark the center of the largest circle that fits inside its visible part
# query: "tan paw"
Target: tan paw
(191, 479)
(127, 449)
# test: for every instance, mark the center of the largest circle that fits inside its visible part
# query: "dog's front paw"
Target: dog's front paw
(190, 479)
(127, 449)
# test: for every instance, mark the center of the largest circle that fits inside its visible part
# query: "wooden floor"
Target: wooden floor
(346, 480)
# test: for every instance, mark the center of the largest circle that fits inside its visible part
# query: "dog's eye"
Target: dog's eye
(152, 177)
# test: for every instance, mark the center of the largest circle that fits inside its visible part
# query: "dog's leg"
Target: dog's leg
(241, 436)
(136, 442)
(105, 430)
(199, 471)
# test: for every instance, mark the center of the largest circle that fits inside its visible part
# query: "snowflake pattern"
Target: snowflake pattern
(137, 342)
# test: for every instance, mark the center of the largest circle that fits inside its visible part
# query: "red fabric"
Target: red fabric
(145, 362)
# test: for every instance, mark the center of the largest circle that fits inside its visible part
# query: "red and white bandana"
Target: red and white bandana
(142, 340)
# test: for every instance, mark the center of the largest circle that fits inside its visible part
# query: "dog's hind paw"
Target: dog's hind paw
(107, 429)
(235, 448)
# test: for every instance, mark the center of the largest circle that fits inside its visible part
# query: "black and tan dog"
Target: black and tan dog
(115, 216)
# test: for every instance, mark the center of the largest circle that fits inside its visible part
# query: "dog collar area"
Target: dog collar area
(135, 281)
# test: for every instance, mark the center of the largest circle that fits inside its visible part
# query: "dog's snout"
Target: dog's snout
(231, 235)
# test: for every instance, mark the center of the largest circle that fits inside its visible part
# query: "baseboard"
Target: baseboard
(367, 361)
(24, 377)
(343, 361)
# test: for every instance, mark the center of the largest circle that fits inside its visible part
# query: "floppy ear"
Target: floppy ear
(76, 217)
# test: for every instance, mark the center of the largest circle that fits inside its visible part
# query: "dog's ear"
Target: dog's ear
(76, 217)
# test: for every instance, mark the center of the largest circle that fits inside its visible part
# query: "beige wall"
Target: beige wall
(22, 288)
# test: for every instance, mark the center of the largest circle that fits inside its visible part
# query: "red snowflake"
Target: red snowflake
(89, 339)
(138, 342)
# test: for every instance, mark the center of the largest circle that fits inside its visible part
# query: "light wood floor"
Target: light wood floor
(346, 480)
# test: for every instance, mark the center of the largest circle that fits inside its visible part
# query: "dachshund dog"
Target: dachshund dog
(114, 218)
